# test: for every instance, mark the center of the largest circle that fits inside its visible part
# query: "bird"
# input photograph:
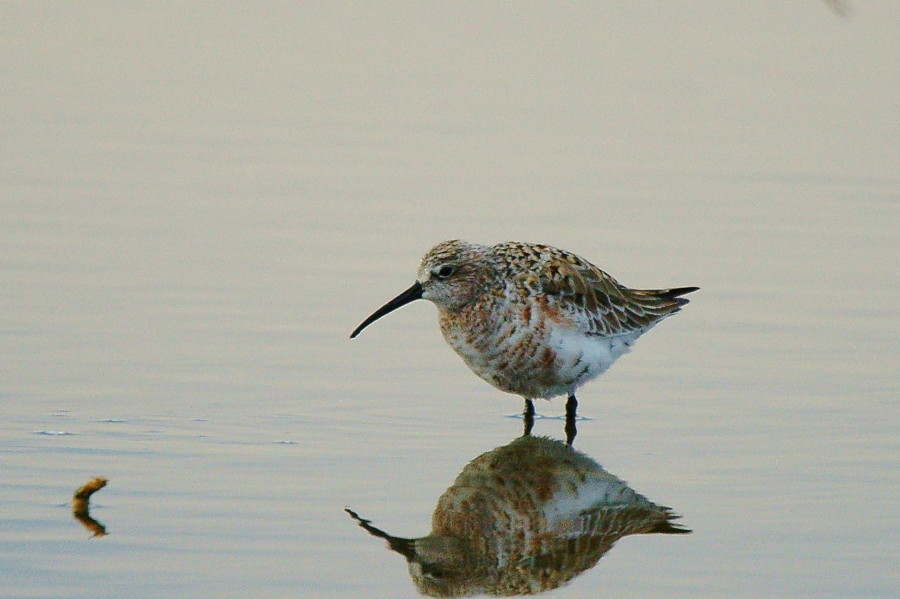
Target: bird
(524, 518)
(531, 319)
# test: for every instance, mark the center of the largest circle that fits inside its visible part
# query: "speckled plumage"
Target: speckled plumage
(525, 518)
(532, 319)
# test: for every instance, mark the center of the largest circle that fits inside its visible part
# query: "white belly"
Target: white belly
(580, 358)
(545, 363)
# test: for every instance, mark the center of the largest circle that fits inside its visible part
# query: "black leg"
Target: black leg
(528, 416)
(571, 409)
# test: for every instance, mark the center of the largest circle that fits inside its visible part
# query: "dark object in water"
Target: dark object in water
(81, 506)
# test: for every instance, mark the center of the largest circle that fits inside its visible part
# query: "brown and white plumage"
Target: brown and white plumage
(532, 319)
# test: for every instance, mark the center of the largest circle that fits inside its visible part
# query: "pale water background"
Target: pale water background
(198, 202)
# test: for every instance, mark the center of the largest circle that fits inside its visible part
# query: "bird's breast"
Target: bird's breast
(529, 348)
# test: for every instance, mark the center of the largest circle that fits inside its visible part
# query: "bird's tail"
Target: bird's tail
(675, 294)
(667, 527)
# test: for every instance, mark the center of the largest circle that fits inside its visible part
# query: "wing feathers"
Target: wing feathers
(609, 307)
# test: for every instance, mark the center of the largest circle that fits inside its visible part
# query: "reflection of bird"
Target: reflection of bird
(532, 319)
(524, 518)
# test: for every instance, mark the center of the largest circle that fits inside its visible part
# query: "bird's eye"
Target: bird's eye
(444, 272)
(432, 571)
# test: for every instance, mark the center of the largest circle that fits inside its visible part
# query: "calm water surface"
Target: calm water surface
(199, 203)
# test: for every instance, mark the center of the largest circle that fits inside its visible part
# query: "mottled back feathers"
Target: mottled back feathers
(576, 286)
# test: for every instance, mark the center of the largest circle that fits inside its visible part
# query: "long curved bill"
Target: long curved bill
(411, 294)
(405, 547)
